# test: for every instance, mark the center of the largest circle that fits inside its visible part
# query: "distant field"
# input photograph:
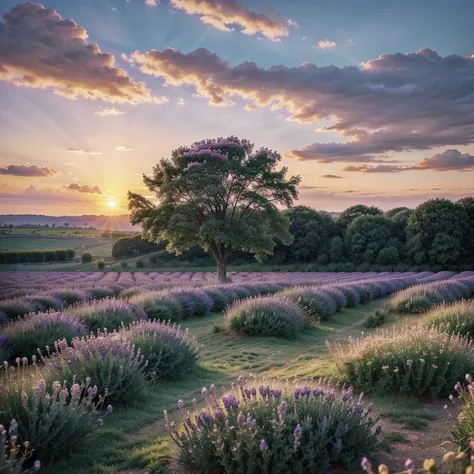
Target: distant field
(90, 233)
(101, 247)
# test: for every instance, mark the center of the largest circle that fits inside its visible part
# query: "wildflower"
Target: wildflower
(429, 465)
(297, 435)
(204, 391)
(383, 469)
(263, 446)
(282, 409)
(468, 378)
(180, 405)
(37, 465)
(396, 369)
(365, 464)
(409, 362)
(212, 388)
(241, 380)
(230, 402)
(109, 408)
(194, 402)
(384, 367)
(410, 466)
(241, 419)
(422, 361)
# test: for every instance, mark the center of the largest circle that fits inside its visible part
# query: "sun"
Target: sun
(112, 203)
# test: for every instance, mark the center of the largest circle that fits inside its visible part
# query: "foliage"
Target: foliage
(375, 319)
(36, 256)
(28, 333)
(388, 256)
(265, 316)
(54, 421)
(353, 212)
(112, 364)
(219, 195)
(220, 299)
(311, 231)
(16, 307)
(391, 213)
(70, 295)
(414, 360)
(140, 263)
(336, 251)
(107, 314)
(86, 257)
(129, 246)
(314, 301)
(159, 305)
(369, 234)
(436, 230)
(468, 244)
(454, 318)
(100, 264)
(12, 455)
(275, 429)
(170, 352)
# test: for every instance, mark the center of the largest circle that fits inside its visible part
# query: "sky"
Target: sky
(369, 101)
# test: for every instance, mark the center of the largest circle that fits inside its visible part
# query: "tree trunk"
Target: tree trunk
(221, 271)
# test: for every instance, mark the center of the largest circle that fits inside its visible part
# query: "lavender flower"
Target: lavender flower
(263, 446)
(282, 408)
(230, 402)
(297, 434)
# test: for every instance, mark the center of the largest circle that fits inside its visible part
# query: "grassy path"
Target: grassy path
(135, 437)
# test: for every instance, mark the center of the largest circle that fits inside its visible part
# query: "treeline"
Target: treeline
(438, 234)
(36, 256)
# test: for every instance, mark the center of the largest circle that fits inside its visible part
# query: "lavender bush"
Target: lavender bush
(49, 302)
(107, 314)
(12, 455)
(38, 330)
(418, 299)
(313, 300)
(412, 360)
(159, 305)
(463, 422)
(54, 421)
(171, 353)
(270, 429)
(70, 296)
(106, 360)
(265, 316)
(15, 307)
(454, 318)
(220, 299)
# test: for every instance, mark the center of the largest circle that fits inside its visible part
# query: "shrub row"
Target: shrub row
(287, 312)
(421, 298)
(36, 256)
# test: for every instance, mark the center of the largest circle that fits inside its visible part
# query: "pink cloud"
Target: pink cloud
(220, 14)
(27, 171)
(84, 188)
(397, 102)
(40, 49)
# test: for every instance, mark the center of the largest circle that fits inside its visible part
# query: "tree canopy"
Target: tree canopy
(356, 211)
(218, 194)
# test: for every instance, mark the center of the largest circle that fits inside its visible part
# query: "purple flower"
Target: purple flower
(204, 418)
(219, 414)
(230, 402)
(241, 419)
(37, 465)
(109, 408)
(297, 436)
(263, 446)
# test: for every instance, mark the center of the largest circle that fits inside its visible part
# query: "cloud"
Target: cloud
(181, 101)
(109, 112)
(292, 24)
(152, 3)
(375, 169)
(397, 102)
(44, 196)
(80, 151)
(83, 188)
(123, 148)
(222, 13)
(447, 161)
(40, 49)
(326, 44)
(331, 176)
(27, 171)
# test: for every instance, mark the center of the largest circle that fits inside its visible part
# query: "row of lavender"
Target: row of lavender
(58, 290)
(14, 284)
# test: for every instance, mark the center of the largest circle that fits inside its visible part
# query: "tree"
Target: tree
(433, 217)
(367, 235)
(353, 212)
(468, 244)
(337, 249)
(391, 212)
(220, 195)
(311, 231)
(388, 256)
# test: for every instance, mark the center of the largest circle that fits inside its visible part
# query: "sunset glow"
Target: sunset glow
(357, 105)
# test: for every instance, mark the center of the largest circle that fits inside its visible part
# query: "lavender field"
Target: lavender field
(149, 355)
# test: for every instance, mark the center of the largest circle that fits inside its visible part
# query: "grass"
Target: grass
(98, 246)
(136, 435)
